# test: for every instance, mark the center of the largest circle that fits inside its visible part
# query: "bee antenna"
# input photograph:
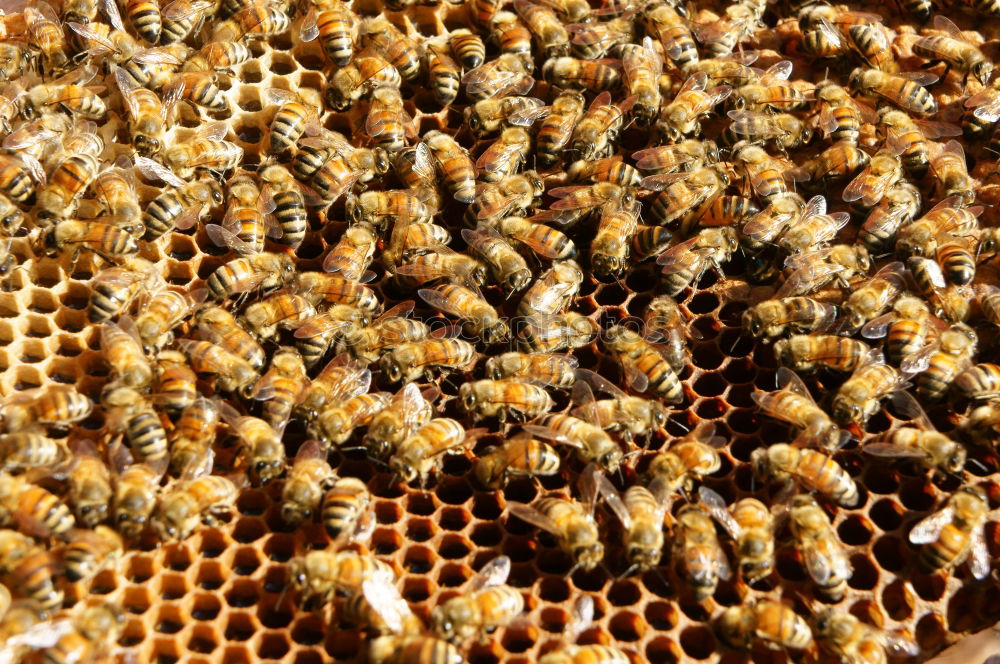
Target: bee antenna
(979, 464)
(629, 571)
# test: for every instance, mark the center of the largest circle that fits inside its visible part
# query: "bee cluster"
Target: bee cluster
(303, 362)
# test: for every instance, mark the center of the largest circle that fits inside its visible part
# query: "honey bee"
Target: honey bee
(898, 208)
(319, 575)
(687, 460)
(923, 442)
(942, 362)
(180, 17)
(949, 301)
(841, 117)
(910, 327)
(751, 524)
(511, 196)
(309, 477)
(543, 333)
(772, 318)
(29, 449)
(510, 399)
(409, 361)
(508, 267)
(346, 510)
(90, 551)
(289, 205)
(687, 155)
(339, 380)
(591, 442)
(610, 248)
(608, 169)
(782, 130)
(955, 534)
(698, 557)
(858, 398)
(511, 35)
(337, 423)
(682, 116)
(419, 455)
(554, 370)
(683, 192)
(467, 47)
(595, 40)
(408, 410)
(772, 624)
(262, 445)
(814, 269)
(115, 289)
(521, 456)
(32, 575)
(89, 484)
(220, 327)
(278, 311)
(205, 151)
(53, 406)
(122, 350)
(553, 291)
(136, 493)
(644, 366)
(281, 387)
(444, 74)
(595, 131)
(163, 312)
(389, 330)
(33, 509)
(568, 72)
(623, 414)
(264, 271)
(109, 241)
(666, 23)
(764, 173)
(854, 642)
(181, 207)
(838, 162)
(872, 298)
(807, 352)
(883, 171)
(196, 497)
(505, 156)
(195, 431)
(502, 76)
(822, 553)
(218, 55)
(770, 92)
(17, 626)
(296, 114)
(954, 50)
(570, 521)
(909, 137)
(487, 116)
(685, 264)
(905, 89)
(641, 512)
(148, 113)
(133, 415)
(813, 469)
(255, 20)
(456, 167)
(792, 403)
(665, 324)
(952, 175)
(478, 316)
(720, 37)
(489, 603)
(67, 182)
(398, 49)
(234, 373)
(376, 208)
(338, 29)
(558, 126)
(387, 121)
(948, 217)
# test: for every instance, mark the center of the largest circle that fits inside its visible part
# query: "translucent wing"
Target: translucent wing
(493, 573)
(611, 496)
(928, 529)
(529, 514)
(549, 433)
(789, 380)
(386, 601)
(716, 506)
(979, 555)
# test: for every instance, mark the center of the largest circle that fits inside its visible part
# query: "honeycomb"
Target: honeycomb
(221, 595)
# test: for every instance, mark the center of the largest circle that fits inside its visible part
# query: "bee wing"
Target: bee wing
(588, 378)
(932, 129)
(979, 555)
(856, 189)
(223, 237)
(156, 171)
(897, 645)
(894, 273)
(789, 380)
(919, 77)
(575, 198)
(199, 466)
(493, 573)
(110, 9)
(830, 33)
(987, 105)
(279, 97)
(780, 70)
(529, 116)
(549, 433)
(308, 29)
(716, 506)
(180, 10)
(530, 515)
(385, 600)
(156, 56)
(697, 81)
(808, 279)
(103, 45)
(878, 327)
(893, 451)
(673, 255)
(909, 408)
(928, 529)
(497, 156)
(611, 496)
